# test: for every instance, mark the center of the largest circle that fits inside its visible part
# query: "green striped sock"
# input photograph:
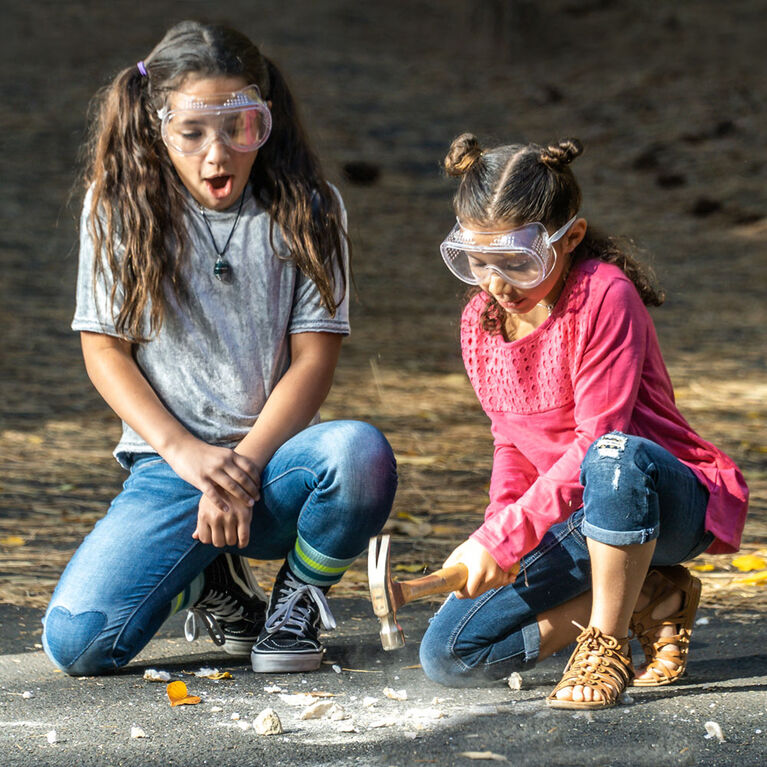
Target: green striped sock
(188, 596)
(311, 566)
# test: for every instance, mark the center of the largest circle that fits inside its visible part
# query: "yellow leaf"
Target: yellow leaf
(706, 567)
(12, 540)
(410, 568)
(749, 562)
(178, 695)
(757, 579)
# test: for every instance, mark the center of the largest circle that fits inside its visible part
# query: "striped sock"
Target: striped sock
(311, 566)
(188, 596)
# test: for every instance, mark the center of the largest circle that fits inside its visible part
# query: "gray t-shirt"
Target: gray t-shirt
(221, 351)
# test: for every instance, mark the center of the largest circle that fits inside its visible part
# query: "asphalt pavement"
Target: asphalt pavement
(386, 712)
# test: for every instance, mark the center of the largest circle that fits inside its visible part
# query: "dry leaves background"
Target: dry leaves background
(669, 104)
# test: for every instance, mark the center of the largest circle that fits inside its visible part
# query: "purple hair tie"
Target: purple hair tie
(142, 68)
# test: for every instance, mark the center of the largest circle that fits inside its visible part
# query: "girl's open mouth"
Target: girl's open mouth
(219, 186)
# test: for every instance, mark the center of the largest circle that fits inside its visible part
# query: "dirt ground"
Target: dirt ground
(668, 98)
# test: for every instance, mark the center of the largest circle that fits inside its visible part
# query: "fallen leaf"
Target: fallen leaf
(410, 568)
(209, 673)
(179, 696)
(12, 540)
(484, 755)
(749, 562)
(706, 567)
(753, 580)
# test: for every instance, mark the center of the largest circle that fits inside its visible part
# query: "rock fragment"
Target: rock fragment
(268, 723)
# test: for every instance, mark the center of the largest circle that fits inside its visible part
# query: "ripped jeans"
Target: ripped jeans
(634, 491)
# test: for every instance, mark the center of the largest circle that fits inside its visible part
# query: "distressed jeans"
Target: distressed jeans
(634, 491)
(333, 484)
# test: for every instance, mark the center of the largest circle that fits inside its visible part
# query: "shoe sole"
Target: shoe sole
(238, 647)
(277, 663)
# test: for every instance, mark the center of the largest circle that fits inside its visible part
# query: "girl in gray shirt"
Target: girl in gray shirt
(212, 299)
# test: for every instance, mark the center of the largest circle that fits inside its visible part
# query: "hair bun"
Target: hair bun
(558, 156)
(462, 155)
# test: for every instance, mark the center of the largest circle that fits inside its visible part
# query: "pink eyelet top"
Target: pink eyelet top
(594, 366)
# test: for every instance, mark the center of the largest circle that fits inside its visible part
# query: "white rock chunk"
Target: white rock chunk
(713, 730)
(514, 681)
(137, 732)
(395, 694)
(268, 723)
(317, 710)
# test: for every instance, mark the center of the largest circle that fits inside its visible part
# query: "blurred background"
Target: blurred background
(668, 99)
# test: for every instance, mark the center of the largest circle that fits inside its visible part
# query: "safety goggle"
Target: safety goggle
(523, 257)
(241, 119)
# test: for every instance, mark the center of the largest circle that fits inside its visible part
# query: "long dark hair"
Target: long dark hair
(137, 203)
(520, 183)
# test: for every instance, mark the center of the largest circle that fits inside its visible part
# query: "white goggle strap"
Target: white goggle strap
(562, 231)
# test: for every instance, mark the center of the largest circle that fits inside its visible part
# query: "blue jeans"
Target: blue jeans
(634, 492)
(333, 484)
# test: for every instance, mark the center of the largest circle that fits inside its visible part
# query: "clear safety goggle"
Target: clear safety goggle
(523, 257)
(241, 119)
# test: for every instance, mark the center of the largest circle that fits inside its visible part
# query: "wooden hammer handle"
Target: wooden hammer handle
(439, 582)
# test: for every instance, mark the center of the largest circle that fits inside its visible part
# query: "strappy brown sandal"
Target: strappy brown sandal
(597, 662)
(645, 628)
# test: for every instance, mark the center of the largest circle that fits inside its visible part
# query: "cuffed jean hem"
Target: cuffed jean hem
(531, 638)
(619, 537)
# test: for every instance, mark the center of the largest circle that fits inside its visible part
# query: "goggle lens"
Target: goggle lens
(241, 120)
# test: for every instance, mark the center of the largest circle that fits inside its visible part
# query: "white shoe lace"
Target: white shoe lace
(292, 616)
(217, 606)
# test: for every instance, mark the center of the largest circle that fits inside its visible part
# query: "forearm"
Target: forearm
(296, 398)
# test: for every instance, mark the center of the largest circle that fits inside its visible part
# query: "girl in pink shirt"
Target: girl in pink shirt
(600, 488)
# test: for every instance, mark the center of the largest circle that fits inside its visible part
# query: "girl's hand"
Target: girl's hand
(223, 528)
(484, 571)
(226, 478)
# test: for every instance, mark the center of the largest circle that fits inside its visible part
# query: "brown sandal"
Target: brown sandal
(645, 628)
(597, 662)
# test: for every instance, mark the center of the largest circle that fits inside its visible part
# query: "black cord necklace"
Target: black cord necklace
(222, 268)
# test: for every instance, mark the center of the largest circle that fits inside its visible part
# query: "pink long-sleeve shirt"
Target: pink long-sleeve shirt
(594, 366)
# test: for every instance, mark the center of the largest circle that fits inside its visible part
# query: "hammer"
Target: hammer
(389, 595)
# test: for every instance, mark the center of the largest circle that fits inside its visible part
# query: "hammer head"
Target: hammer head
(384, 602)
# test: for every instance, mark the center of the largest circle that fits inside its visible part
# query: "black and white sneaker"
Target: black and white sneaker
(232, 606)
(290, 637)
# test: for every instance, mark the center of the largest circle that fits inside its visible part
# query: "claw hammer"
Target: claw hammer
(389, 595)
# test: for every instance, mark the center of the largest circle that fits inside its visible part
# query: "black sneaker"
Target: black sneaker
(290, 637)
(232, 606)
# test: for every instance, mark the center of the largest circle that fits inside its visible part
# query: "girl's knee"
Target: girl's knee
(438, 661)
(75, 643)
(612, 451)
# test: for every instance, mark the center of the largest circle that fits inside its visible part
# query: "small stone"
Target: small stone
(702, 621)
(514, 681)
(51, 737)
(27, 694)
(316, 710)
(244, 724)
(347, 726)
(336, 668)
(337, 713)
(395, 694)
(216, 709)
(368, 701)
(153, 675)
(235, 717)
(137, 732)
(713, 730)
(268, 723)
